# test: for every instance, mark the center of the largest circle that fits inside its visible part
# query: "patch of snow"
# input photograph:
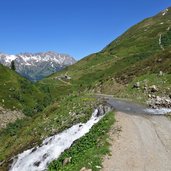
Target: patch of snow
(10, 58)
(38, 158)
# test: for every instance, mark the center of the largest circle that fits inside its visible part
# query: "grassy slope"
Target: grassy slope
(133, 54)
(19, 93)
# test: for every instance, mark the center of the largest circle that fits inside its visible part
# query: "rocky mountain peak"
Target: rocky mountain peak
(36, 66)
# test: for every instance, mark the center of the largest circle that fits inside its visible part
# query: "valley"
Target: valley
(132, 75)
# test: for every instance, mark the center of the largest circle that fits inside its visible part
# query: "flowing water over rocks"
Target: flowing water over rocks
(38, 158)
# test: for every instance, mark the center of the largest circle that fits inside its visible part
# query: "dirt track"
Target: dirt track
(143, 144)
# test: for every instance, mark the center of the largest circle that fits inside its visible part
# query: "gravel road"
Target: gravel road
(143, 144)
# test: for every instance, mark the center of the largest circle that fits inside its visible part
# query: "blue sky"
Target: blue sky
(76, 27)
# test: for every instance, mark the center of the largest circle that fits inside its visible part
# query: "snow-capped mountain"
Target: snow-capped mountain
(36, 66)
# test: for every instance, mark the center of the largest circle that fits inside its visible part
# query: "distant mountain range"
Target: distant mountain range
(36, 66)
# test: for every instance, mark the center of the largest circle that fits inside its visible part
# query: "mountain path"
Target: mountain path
(142, 144)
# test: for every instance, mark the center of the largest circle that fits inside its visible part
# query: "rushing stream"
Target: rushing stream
(38, 158)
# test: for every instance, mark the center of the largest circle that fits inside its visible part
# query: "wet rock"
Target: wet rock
(102, 109)
(67, 161)
(45, 156)
(37, 163)
(34, 149)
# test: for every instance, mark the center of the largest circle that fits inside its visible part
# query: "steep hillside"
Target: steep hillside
(146, 37)
(144, 48)
(39, 65)
(19, 93)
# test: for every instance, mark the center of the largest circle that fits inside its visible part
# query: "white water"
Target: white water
(160, 111)
(37, 159)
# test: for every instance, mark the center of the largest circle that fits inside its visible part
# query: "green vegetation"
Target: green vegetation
(19, 93)
(13, 65)
(55, 118)
(88, 150)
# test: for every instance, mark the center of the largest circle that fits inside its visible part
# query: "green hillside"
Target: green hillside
(133, 54)
(19, 93)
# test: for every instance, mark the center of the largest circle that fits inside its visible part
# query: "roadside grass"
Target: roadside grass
(88, 150)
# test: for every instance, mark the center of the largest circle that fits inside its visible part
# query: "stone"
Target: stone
(37, 163)
(170, 96)
(159, 60)
(145, 88)
(67, 161)
(102, 109)
(158, 102)
(161, 73)
(153, 88)
(149, 95)
(136, 85)
(85, 169)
